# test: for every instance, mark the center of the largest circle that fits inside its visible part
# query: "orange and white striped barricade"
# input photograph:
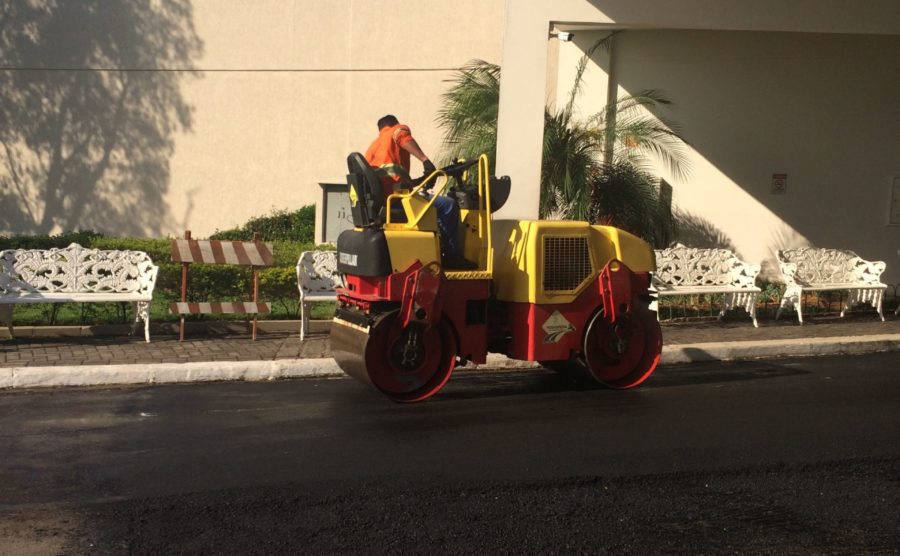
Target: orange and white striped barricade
(254, 254)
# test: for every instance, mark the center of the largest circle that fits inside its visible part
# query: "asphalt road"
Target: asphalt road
(790, 456)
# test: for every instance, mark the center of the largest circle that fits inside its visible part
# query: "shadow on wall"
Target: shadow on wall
(88, 112)
(696, 231)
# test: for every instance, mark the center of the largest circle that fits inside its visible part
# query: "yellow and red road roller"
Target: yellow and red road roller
(573, 296)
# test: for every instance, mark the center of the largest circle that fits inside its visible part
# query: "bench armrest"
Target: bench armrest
(788, 271)
(744, 274)
(148, 278)
(868, 272)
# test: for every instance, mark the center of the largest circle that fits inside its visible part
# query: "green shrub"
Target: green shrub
(281, 224)
(277, 284)
(159, 249)
(85, 239)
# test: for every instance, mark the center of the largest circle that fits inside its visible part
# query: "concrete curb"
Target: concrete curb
(761, 349)
(105, 375)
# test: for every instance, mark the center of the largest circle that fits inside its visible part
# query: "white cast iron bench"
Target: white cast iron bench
(682, 270)
(76, 275)
(317, 279)
(817, 269)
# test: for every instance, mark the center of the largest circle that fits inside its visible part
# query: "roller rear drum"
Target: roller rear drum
(406, 364)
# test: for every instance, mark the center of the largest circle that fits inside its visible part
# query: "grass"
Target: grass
(43, 314)
(709, 305)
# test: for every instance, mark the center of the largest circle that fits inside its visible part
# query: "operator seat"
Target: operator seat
(365, 183)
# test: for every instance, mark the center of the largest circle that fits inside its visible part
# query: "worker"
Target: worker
(389, 154)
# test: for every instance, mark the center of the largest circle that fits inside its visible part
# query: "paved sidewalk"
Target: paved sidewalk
(83, 360)
(87, 350)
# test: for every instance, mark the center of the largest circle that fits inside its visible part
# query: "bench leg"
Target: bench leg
(751, 308)
(137, 317)
(145, 314)
(727, 305)
(873, 296)
(791, 299)
(6, 316)
(785, 302)
(304, 319)
(142, 312)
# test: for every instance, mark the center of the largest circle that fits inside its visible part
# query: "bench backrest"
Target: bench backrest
(816, 265)
(75, 269)
(694, 266)
(317, 273)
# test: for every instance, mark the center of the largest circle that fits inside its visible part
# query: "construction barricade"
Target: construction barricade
(254, 254)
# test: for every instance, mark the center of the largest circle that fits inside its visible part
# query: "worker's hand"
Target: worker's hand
(428, 168)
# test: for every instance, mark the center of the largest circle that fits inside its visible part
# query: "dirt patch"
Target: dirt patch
(36, 531)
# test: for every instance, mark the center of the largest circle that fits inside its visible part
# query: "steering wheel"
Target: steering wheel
(454, 170)
(457, 168)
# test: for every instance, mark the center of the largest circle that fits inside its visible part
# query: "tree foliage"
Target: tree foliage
(469, 112)
(595, 168)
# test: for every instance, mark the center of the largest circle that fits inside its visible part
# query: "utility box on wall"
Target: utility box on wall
(332, 212)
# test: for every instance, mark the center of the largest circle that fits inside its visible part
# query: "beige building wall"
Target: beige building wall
(283, 91)
(817, 105)
(291, 87)
(819, 108)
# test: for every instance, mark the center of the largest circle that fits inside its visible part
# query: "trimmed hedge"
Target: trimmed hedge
(298, 226)
(277, 284)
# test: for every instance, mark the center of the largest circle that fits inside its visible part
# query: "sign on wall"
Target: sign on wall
(336, 216)
(779, 184)
(894, 216)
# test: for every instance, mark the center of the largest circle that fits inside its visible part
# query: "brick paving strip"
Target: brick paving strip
(124, 350)
(44, 352)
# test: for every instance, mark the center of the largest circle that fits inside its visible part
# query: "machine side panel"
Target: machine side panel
(554, 262)
(636, 253)
(511, 260)
(407, 247)
(550, 332)
(363, 252)
(465, 305)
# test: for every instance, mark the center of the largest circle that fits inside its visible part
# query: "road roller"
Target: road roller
(573, 296)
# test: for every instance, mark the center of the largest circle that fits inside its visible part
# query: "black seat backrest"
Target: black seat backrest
(368, 189)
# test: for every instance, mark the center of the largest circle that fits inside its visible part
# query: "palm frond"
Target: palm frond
(469, 111)
(604, 43)
(594, 169)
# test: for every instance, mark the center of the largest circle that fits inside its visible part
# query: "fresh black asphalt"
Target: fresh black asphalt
(788, 456)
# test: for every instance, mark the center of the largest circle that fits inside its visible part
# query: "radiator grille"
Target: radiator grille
(567, 263)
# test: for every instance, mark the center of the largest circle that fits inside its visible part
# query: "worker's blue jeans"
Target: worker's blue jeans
(448, 222)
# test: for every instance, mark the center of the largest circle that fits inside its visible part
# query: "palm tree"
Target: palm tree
(469, 112)
(629, 198)
(588, 163)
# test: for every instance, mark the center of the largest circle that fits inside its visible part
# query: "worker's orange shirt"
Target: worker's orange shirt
(387, 156)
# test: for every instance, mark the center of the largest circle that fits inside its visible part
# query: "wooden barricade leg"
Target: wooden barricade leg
(255, 285)
(184, 278)
(255, 292)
